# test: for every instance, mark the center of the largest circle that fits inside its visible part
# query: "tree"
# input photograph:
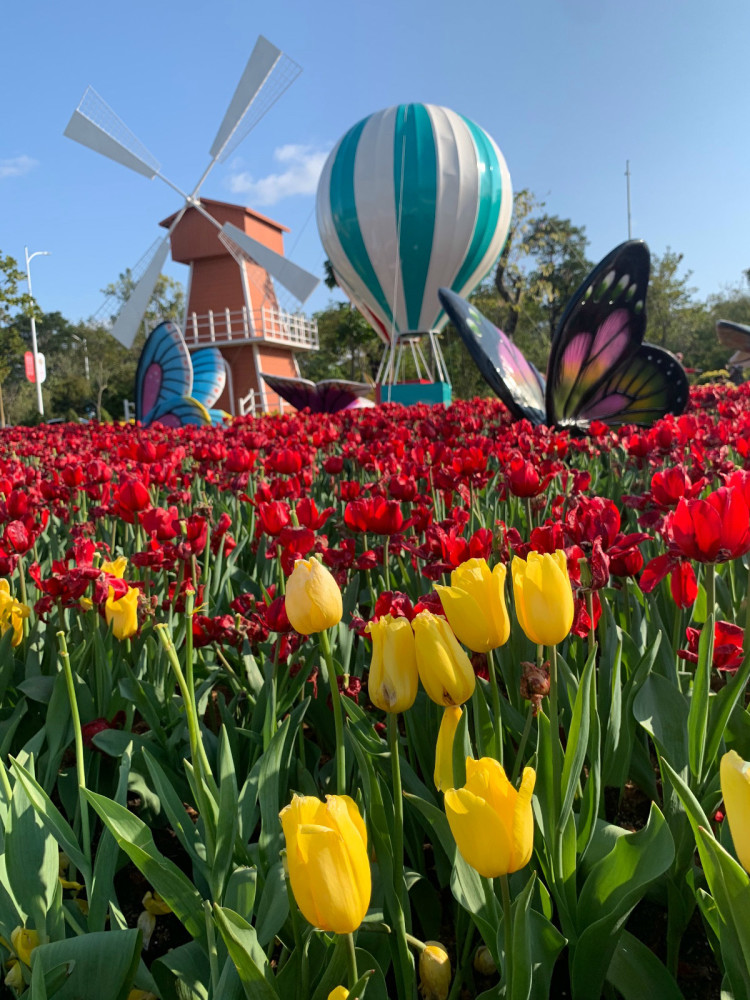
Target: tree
(557, 250)
(167, 301)
(349, 347)
(10, 297)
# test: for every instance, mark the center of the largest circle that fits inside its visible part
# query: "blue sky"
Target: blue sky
(569, 89)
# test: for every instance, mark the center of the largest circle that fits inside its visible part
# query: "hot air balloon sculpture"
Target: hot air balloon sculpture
(412, 199)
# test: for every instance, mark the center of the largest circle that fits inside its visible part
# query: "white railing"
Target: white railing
(247, 404)
(236, 325)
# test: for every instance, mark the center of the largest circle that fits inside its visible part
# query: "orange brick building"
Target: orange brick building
(231, 304)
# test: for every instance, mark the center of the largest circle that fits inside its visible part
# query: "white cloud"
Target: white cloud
(302, 167)
(17, 166)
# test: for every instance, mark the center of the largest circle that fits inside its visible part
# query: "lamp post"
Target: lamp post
(82, 340)
(29, 258)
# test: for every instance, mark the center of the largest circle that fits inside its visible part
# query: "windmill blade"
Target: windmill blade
(133, 310)
(94, 124)
(296, 279)
(268, 70)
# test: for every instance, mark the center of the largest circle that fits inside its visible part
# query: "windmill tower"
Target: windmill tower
(234, 254)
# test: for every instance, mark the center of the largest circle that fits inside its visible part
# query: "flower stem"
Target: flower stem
(386, 567)
(351, 952)
(507, 934)
(80, 765)
(556, 762)
(522, 745)
(497, 722)
(398, 808)
(338, 721)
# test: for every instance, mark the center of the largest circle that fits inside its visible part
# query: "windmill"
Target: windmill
(267, 75)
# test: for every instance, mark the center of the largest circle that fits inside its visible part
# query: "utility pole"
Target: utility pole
(29, 258)
(627, 180)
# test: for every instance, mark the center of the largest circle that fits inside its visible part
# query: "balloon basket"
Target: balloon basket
(409, 393)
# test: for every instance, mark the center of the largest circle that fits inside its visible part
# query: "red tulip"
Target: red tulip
(716, 529)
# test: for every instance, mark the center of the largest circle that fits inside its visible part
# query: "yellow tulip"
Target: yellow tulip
(313, 599)
(329, 870)
(14, 978)
(393, 678)
(115, 568)
(475, 605)
(23, 942)
(122, 614)
(12, 613)
(735, 787)
(444, 748)
(444, 668)
(434, 972)
(491, 822)
(543, 596)
(339, 993)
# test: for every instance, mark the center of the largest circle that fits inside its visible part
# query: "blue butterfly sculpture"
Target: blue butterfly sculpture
(598, 368)
(173, 387)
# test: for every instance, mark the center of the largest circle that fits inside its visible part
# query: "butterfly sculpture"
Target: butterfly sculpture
(599, 368)
(736, 336)
(174, 388)
(329, 396)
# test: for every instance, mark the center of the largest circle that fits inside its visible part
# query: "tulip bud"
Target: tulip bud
(475, 605)
(444, 748)
(122, 614)
(329, 868)
(393, 678)
(444, 668)
(313, 599)
(14, 978)
(434, 972)
(735, 787)
(491, 822)
(484, 963)
(543, 596)
(339, 993)
(23, 942)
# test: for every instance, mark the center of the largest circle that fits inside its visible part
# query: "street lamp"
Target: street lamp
(82, 340)
(29, 258)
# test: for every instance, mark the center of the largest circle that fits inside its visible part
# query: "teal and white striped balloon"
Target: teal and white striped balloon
(412, 199)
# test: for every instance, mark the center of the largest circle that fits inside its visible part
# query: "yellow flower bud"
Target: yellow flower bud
(122, 614)
(23, 942)
(141, 995)
(393, 678)
(14, 978)
(444, 748)
(329, 869)
(491, 822)
(339, 993)
(543, 596)
(484, 963)
(153, 902)
(444, 668)
(475, 605)
(12, 613)
(313, 599)
(434, 972)
(735, 787)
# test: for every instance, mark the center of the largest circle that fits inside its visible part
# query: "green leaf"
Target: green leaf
(273, 908)
(181, 824)
(636, 972)
(226, 824)
(698, 713)
(103, 964)
(31, 859)
(52, 818)
(182, 969)
(246, 953)
(521, 958)
(614, 886)
(662, 711)
(546, 944)
(578, 736)
(107, 856)
(730, 887)
(239, 894)
(135, 839)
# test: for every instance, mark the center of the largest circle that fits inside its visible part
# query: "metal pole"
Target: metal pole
(86, 359)
(627, 176)
(29, 258)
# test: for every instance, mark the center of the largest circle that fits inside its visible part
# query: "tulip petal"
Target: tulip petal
(735, 787)
(523, 822)
(336, 880)
(467, 618)
(481, 837)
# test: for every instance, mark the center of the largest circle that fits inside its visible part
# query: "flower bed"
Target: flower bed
(315, 706)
